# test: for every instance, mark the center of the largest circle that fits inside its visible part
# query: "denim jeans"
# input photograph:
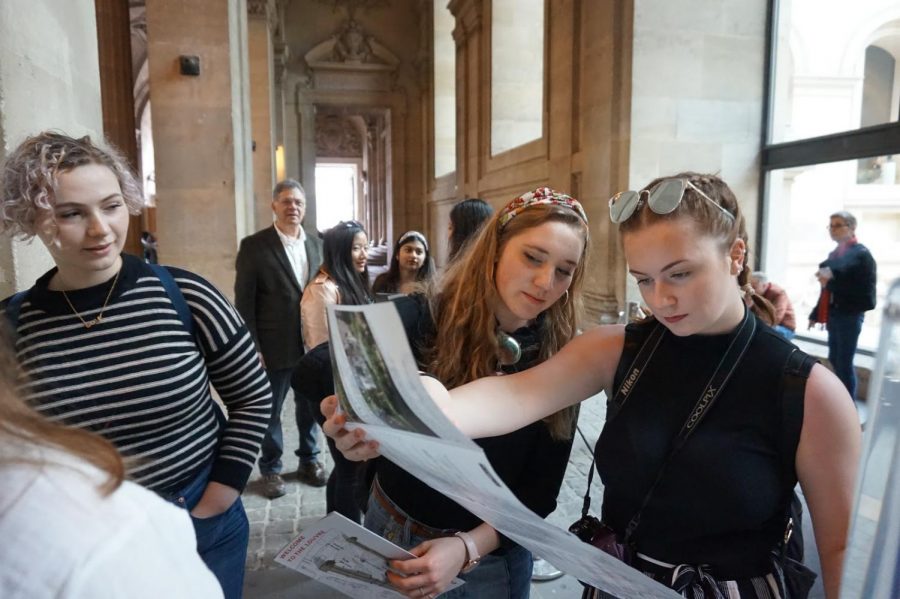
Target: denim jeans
(843, 333)
(273, 443)
(499, 575)
(222, 539)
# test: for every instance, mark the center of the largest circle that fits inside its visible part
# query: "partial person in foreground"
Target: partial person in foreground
(273, 267)
(128, 350)
(785, 323)
(411, 266)
(848, 279)
(72, 527)
(707, 518)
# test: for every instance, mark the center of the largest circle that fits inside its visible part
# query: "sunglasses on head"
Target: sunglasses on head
(662, 199)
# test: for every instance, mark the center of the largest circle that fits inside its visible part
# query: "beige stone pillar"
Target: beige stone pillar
(261, 14)
(40, 91)
(201, 134)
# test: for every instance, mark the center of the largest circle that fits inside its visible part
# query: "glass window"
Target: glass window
(444, 90)
(800, 201)
(836, 69)
(517, 73)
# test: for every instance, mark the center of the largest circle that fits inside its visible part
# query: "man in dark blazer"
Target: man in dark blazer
(273, 267)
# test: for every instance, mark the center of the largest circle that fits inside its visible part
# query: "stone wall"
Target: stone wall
(49, 79)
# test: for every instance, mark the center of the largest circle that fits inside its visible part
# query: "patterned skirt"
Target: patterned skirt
(695, 582)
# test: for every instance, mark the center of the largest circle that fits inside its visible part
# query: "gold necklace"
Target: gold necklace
(96, 320)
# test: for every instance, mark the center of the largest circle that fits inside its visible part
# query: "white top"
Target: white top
(313, 320)
(61, 539)
(295, 249)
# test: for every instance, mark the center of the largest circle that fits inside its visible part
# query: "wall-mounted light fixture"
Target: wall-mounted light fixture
(279, 163)
(190, 65)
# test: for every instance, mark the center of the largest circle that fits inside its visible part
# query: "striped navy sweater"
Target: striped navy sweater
(139, 379)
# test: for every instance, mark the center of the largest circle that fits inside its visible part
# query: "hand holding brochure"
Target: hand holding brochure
(379, 387)
(345, 556)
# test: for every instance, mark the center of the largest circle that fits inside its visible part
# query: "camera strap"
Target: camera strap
(720, 377)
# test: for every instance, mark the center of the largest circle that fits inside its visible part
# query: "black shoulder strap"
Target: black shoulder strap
(174, 292)
(796, 372)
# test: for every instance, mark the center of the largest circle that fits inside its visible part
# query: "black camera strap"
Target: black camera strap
(720, 377)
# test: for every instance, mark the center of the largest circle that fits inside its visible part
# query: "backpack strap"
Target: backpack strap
(174, 292)
(796, 372)
(13, 307)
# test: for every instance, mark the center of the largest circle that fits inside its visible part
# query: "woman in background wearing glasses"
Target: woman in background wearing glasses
(342, 279)
(710, 523)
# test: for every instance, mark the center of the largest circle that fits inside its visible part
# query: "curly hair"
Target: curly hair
(466, 324)
(30, 175)
(711, 221)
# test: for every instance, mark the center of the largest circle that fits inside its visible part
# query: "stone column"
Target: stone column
(261, 14)
(201, 134)
(40, 91)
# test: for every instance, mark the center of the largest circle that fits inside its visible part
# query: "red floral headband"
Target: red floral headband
(541, 195)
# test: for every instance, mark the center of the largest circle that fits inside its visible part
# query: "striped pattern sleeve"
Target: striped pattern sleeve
(236, 374)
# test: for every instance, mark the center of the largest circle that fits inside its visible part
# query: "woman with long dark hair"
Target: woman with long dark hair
(411, 266)
(342, 279)
(466, 219)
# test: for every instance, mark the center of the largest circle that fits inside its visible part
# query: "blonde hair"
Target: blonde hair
(30, 175)
(711, 221)
(20, 421)
(466, 327)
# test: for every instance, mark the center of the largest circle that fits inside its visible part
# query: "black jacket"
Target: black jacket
(853, 285)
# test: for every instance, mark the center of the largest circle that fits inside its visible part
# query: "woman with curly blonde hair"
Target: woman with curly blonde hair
(127, 350)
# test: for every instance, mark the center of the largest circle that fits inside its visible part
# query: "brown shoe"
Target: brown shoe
(273, 485)
(312, 473)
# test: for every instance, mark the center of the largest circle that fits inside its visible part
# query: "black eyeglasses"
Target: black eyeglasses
(833, 227)
(662, 199)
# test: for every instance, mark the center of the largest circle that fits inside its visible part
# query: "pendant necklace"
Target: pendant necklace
(96, 320)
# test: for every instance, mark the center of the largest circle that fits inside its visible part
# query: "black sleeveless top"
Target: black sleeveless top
(721, 501)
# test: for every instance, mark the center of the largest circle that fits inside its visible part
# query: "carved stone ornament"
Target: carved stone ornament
(350, 59)
(337, 137)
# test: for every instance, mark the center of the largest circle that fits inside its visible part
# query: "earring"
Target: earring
(566, 301)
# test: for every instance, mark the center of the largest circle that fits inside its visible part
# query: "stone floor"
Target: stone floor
(274, 523)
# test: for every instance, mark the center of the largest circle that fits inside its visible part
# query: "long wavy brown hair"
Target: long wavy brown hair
(711, 221)
(467, 348)
(18, 421)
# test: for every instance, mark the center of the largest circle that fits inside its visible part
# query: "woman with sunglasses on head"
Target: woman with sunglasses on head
(411, 266)
(115, 346)
(699, 464)
(342, 279)
(507, 303)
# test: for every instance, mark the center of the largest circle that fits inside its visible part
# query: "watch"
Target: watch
(472, 557)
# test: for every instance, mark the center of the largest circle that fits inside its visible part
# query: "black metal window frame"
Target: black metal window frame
(866, 142)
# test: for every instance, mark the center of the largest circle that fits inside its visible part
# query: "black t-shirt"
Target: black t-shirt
(722, 498)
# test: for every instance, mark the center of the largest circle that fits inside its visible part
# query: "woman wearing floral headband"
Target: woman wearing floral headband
(508, 302)
(411, 266)
(722, 418)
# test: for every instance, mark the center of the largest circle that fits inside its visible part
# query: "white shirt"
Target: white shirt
(62, 540)
(295, 249)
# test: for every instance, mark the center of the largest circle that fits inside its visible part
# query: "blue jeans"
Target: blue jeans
(273, 443)
(222, 539)
(843, 334)
(499, 575)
